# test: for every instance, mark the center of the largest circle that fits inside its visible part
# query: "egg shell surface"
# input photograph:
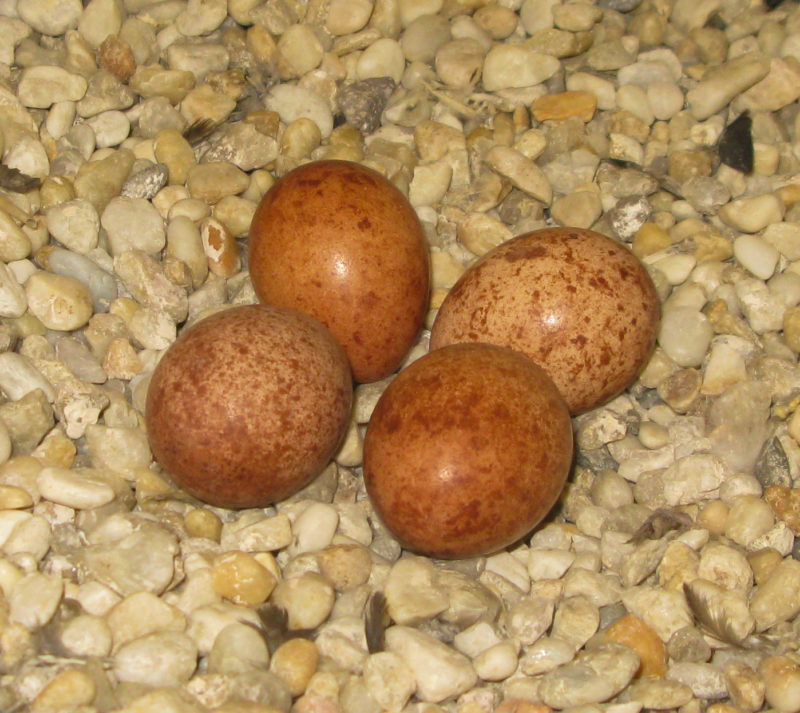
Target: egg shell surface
(340, 242)
(578, 303)
(467, 450)
(248, 405)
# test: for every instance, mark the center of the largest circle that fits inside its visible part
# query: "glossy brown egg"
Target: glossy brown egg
(248, 405)
(579, 304)
(340, 242)
(467, 450)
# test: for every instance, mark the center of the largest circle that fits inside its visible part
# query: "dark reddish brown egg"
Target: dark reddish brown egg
(340, 242)
(579, 304)
(248, 405)
(467, 450)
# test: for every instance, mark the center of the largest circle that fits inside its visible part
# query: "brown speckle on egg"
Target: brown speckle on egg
(467, 450)
(248, 405)
(579, 304)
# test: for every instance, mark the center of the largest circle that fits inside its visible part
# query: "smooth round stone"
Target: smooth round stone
(753, 213)
(665, 98)
(75, 224)
(676, 268)
(293, 102)
(576, 16)
(603, 89)
(423, 37)
(685, 335)
(14, 243)
(508, 66)
(498, 21)
(159, 659)
(51, 17)
(300, 49)
(756, 255)
(133, 223)
(73, 489)
(458, 63)
(60, 302)
(100, 282)
(580, 209)
(410, 10)
(110, 128)
(213, 181)
(347, 16)
(787, 286)
(383, 58)
(42, 86)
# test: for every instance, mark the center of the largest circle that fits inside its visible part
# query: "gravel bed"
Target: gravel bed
(137, 139)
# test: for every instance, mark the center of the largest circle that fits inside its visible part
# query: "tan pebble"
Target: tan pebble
(713, 517)
(238, 577)
(60, 302)
(203, 523)
(722, 708)
(679, 390)
(215, 180)
(172, 149)
(238, 706)
(564, 105)
(116, 55)
(220, 247)
(678, 566)
(631, 631)
(323, 684)
(781, 683)
(763, 563)
(56, 450)
(745, 686)
(70, 689)
(121, 360)
(295, 662)
(14, 498)
(791, 330)
(236, 214)
(649, 239)
(511, 706)
(125, 308)
(346, 566)
(789, 194)
(785, 503)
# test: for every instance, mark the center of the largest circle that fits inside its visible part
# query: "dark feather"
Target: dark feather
(15, 180)
(275, 627)
(735, 146)
(659, 523)
(375, 627)
(199, 130)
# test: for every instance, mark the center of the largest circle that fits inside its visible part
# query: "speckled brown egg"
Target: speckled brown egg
(579, 304)
(467, 450)
(340, 242)
(248, 405)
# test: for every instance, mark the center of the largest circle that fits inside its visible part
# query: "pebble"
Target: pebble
(777, 599)
(685, 335)
(295, 662)
(159, 659)
(439, 671)
(595, 677)
(307, 599)
(389, 680)
(512, 66)
(721, 84)
(66, 487)
(752, 214)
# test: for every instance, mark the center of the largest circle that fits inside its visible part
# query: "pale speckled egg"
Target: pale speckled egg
(467, 450)
(338, 241)
(578, 303)
(248, 405)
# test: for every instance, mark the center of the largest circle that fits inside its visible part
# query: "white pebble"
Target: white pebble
(497, 663)
(756, 255)
(162, 659)
(753, 213)
(293, 102)
(35, 598)
(440, 671)
(684, 335)
(314, 528)
(383, 58)
(509, 65)
(18, 377)
(71, 488)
